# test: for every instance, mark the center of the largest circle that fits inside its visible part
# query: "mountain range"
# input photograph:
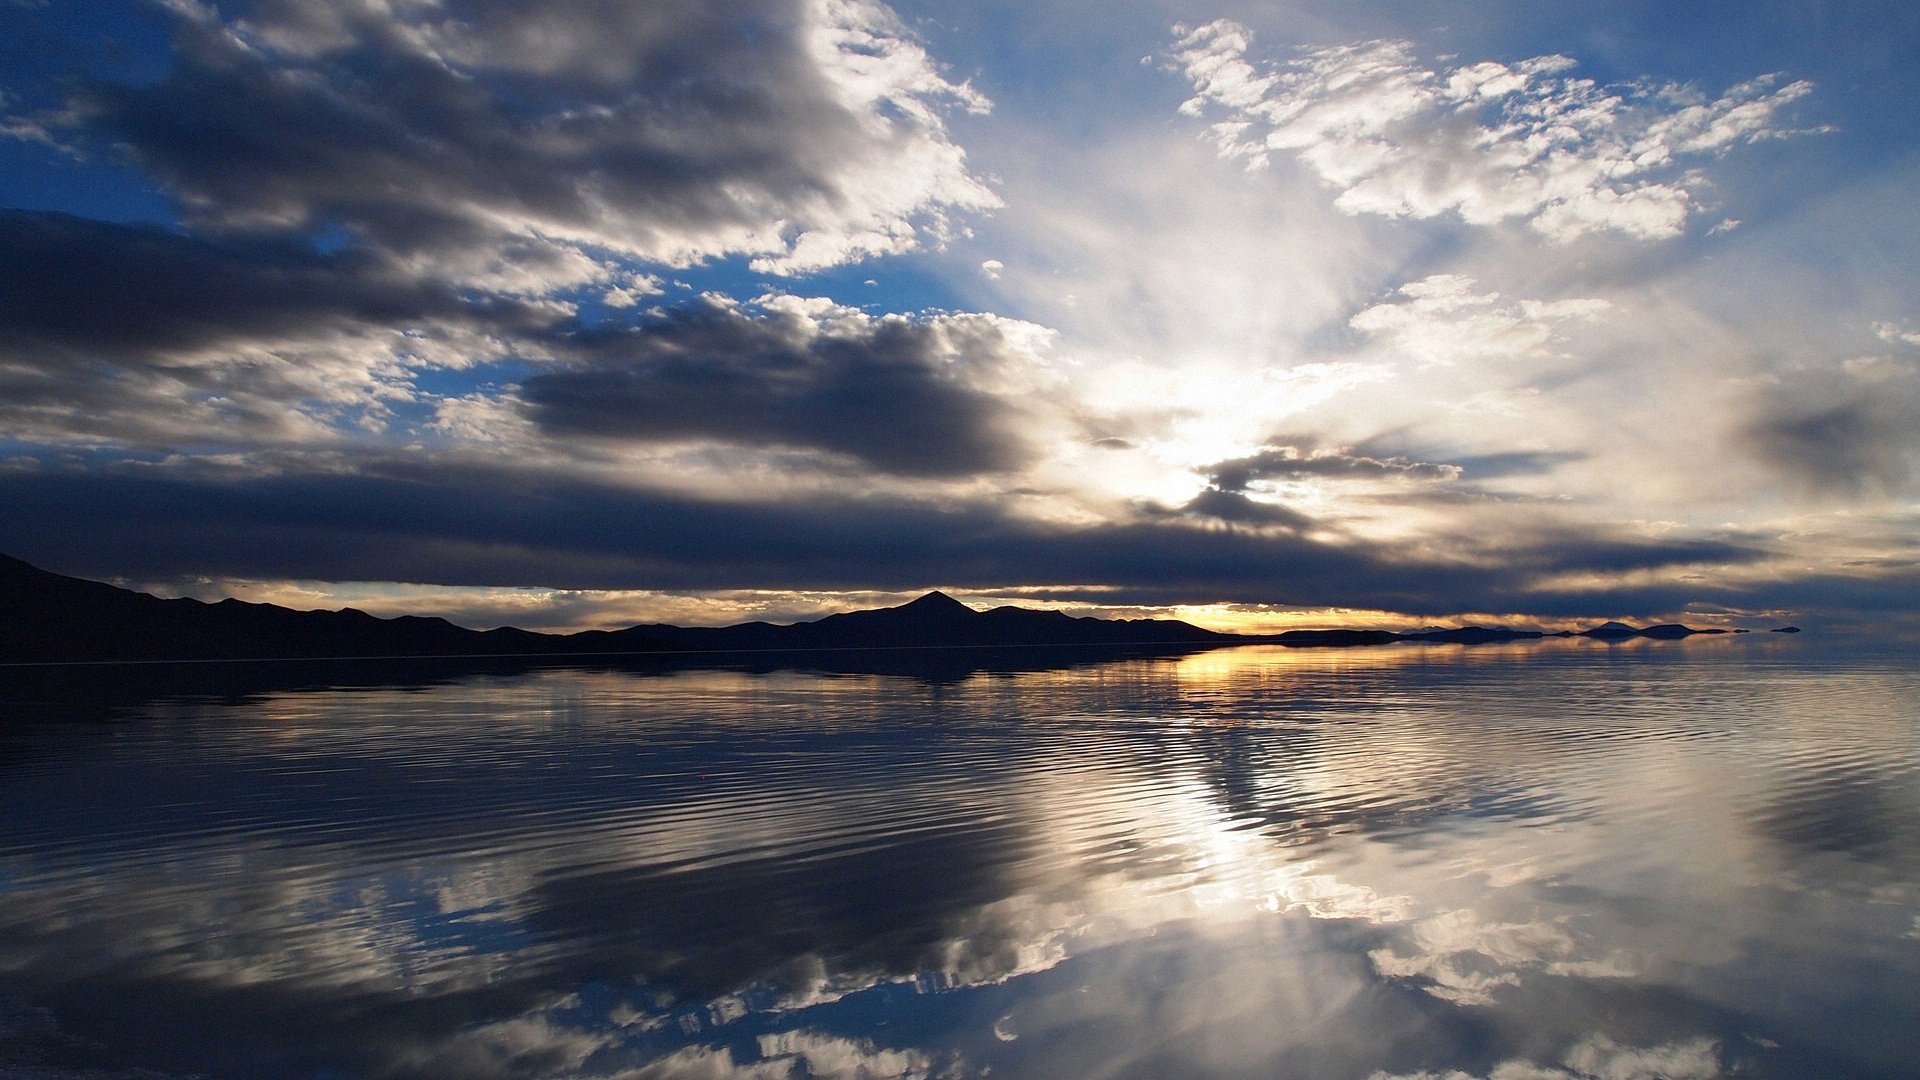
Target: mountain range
(51, 618)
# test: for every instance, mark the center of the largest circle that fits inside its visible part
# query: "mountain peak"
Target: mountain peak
(936, 601)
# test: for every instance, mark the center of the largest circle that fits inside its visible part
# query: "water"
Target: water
(1560, 859)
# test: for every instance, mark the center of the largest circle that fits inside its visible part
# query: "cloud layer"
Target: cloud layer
(517, 143)
(1487, 142)
(903, 396)
(134, 335)
(459, 519)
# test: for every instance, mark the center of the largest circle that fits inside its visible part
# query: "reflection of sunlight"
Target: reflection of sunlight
(1234, 872)
(1251, 667)
(1250, 663)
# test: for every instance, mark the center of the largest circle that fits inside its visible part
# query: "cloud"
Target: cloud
(1299, 458)
(900, 395)
(485, 139)
(1486, 142)
(1443, 319)
(134, 334)
(1845, 430)
(138, 336)
(1514, 463)
(459, 519)
(116, 292)
(1236, 507)
(1896, 332)
(1855, 446)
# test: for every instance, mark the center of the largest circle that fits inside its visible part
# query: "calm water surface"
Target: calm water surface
(1685, 859)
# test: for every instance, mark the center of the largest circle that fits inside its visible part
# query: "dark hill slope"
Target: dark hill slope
(51, 617)
(47, 617)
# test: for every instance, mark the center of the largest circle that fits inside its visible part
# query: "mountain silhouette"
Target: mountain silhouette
(1476, 635)
(47, 617)
(50, 618)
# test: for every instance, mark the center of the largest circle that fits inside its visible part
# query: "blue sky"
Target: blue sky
(570, 314)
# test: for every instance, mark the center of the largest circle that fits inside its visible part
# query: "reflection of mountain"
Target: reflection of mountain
(76, 691)
(52, 618)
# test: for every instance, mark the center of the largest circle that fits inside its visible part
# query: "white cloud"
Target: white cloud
(18, 126)
(1488, 142)
(1442, 320)
(1598, 1057)
(1896, 332)
(631, 289)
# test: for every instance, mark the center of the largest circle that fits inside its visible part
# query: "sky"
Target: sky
(568, 314)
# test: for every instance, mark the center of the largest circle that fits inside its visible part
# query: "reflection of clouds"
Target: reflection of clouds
(271, 924)
(538, 1044)
(1117, 846)
(1226, 835)
(1196, 867)
(1461, 958)
(1121, 844)
(1600, 1058)
(531, 1045)
(790, 1054)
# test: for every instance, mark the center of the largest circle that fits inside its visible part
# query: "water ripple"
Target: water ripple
(1450, 845)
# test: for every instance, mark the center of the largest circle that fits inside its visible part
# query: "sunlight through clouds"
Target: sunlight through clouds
(848, 298)
(1442, 320)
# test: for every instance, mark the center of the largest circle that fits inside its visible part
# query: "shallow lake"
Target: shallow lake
(1560, 859)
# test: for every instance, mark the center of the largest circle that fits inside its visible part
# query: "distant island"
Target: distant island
(51, 618)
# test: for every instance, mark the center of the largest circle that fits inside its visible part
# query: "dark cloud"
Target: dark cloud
(892, 393)
(1236, 507)
(673, 130)
(1517, 463)
(1559, 549)
(92, 290)
(1299, 458)
(457, 521)
(143, 336)
(128, 333)
(1467, 476)
(1862, 445)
